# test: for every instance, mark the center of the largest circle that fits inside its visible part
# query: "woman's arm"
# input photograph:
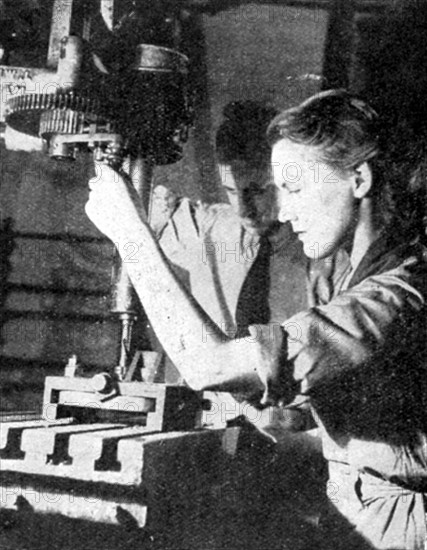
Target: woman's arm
(205, 356)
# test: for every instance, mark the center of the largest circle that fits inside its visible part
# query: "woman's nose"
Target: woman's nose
(287, 212)
(286, 216)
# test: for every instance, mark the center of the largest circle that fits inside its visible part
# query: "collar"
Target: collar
(385, 253)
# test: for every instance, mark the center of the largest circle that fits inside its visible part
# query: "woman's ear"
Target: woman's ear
(362, 181)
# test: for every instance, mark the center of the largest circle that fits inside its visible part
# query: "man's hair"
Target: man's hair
(242, 134)
(346, 132)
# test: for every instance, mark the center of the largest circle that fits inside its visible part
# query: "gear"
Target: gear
(146, 104)
(47, 114)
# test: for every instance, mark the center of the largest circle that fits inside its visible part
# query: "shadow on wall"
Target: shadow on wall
(392, 72)
(6, 247)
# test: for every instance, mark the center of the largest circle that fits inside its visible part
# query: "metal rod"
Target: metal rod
(125, 301)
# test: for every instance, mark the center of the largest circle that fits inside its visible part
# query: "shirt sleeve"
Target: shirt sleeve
(180, 237)
(374, 319)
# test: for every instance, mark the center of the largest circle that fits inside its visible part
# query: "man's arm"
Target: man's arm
(205, 356)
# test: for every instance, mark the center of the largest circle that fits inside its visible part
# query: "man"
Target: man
(235, 259)
(360, 360)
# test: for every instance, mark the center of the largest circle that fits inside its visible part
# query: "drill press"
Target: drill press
(140, 113)
(92, 428)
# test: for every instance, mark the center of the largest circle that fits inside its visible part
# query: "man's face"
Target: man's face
(250, 194)
(317, 199)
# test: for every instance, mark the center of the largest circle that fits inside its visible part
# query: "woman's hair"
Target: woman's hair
(342, 127)
(346, 132)
(411, 192)
(242, 134)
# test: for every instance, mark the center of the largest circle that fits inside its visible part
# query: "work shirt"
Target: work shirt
(360, 361)
(238, 277)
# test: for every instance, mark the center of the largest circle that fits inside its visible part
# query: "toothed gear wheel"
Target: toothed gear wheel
(45, 114)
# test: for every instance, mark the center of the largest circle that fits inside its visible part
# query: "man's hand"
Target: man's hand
(113, 205)
(163, 204)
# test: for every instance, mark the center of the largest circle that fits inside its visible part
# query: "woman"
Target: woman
(361, 359)
(358, 360)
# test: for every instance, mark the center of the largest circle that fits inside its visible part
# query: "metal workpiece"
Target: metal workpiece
(96, 429)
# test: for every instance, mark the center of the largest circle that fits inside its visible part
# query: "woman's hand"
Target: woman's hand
(113, 205)
(272, 367)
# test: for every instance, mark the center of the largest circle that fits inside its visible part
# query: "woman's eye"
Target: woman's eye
(291, 190)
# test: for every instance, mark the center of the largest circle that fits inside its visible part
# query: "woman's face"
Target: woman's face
(250, 194)
(315, 198)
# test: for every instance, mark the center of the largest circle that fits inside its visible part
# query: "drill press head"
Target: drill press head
(141, 110)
